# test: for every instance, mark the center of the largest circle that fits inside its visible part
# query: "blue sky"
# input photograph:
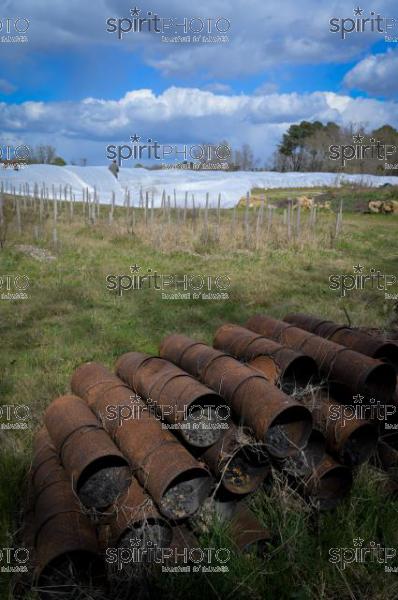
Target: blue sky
(282, 54)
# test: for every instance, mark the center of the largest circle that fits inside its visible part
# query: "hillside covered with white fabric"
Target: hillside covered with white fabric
(231, 185)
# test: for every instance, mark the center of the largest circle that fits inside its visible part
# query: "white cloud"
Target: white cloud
(183, 115)
(376, 74)
(263, 35)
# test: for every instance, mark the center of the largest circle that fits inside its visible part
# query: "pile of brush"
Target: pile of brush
(130, 459)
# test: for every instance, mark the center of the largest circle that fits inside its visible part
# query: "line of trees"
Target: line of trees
(45, 154)
(306, 147)
(241, 159)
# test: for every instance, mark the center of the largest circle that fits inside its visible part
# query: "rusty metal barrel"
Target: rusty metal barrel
(132, 539)
(360, 341)
(221, 504)
(66, 544)
(279, 421)
(194, 411)
(182, 544)
(135, 522)
(349, 438)
(98, 470)
(280, 364)
(46, 468)
(176, 481)
(238, 460)
(351, 371)
(328, 484)
(247, 534)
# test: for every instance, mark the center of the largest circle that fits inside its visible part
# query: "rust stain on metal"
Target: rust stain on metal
(248, 534)
(182, 544)
(176, 481)
(63, 534)
(350, 439)
(46, 467)
(329, 483)
(279, 364)
(352, 371)
(279, 421)
(98, 470)
(238, 460)
(360, 341)
(134, 515)
(178, 397)
(267, 367)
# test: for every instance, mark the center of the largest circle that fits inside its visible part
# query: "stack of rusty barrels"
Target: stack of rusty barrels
(133, 456)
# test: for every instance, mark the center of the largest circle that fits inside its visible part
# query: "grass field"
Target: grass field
(354, 197)
(71, 317)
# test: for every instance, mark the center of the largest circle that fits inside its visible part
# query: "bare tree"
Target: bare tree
(44, 154)
(244, 158)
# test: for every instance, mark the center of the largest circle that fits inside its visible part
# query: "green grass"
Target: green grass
(70, 317)
(355, 198)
